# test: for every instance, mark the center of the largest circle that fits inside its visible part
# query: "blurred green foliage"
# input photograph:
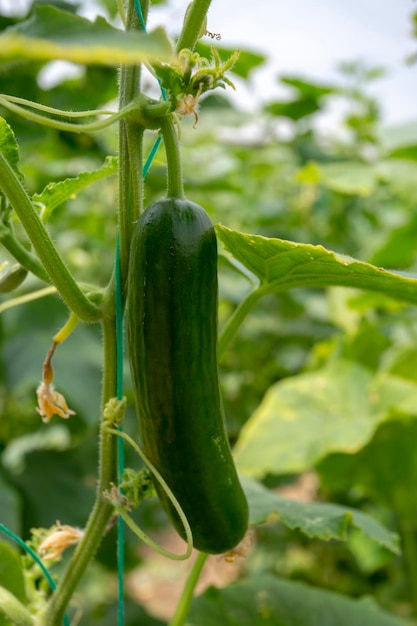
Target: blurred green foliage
(273, 173)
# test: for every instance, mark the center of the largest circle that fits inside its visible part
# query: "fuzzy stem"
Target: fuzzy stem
(52, 110)
(67, 126)
(183, 606)
(175, 180)
(143, 109)
(192, 24)
(49, 256)
(130, 155)
(67, 329)
(22, 256)
(234, 322)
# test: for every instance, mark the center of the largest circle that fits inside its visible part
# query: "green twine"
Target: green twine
(140, 15)
(151, 156)
(37, 560)
(120, 448)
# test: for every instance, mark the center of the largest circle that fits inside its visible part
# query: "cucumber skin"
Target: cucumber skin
(172, 337)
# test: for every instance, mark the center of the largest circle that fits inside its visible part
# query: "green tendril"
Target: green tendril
(134, 527)
(10, 103)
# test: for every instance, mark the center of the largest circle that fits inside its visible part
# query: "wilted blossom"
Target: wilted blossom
(50, 403)
(61, 537)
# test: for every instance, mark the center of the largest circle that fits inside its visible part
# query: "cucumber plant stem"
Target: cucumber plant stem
(130, 190)
(21, 254)
(13, 609)
(130, 201)
(130, 153)
(183, 606)
(234, 322)
(175, 186)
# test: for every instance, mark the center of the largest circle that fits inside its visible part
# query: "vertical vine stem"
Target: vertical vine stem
(130, 153)
(130, 206)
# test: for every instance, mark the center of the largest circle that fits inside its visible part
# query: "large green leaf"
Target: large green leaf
(50, 33)
(282, 265)
(302, 419)
(314, 519)
(265, 600)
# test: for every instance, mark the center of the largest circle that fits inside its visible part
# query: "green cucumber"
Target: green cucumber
(172, 337)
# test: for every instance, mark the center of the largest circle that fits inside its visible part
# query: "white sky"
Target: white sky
(308, 39)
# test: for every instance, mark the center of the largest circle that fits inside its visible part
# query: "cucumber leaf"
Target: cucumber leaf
(304, 418)
(315, 519)
(266, 600)
(282, 265)
(51, 33)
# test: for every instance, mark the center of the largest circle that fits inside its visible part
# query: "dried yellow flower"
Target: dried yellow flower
(50, 403)
(60, 538)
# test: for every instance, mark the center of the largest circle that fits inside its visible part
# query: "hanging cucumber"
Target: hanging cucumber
(172, 335)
